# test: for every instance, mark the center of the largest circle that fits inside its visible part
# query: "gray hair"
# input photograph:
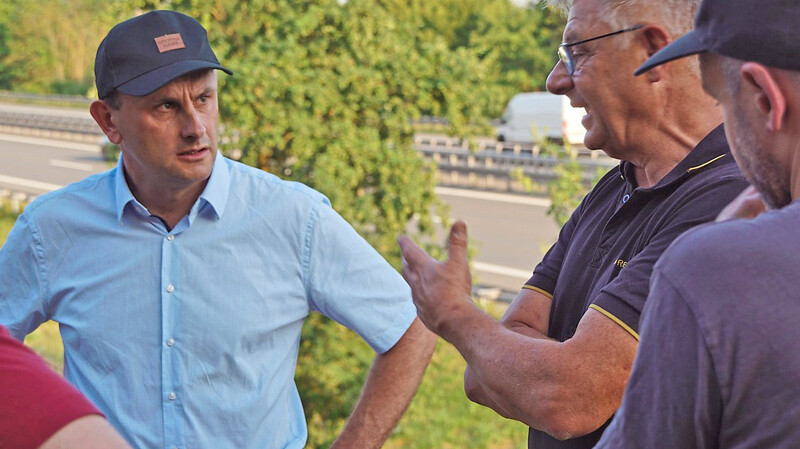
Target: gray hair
(676, 15)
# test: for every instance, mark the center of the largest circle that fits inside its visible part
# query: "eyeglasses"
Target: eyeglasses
(566, 57)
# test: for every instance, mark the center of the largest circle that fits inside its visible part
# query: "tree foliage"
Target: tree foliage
(518, 43)
(325, 94)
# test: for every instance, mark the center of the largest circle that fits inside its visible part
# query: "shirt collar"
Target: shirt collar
(215, 193)
(710, 150)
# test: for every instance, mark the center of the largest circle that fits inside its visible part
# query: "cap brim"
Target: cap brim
(155, 79)
(688, 44)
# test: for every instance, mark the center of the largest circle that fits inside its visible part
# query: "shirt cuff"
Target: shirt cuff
(619, 312)
(541, 284)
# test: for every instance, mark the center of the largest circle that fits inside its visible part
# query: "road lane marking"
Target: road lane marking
(502, 270)
(72, 165)
(29, 183)
(87, 147)
(491, 196)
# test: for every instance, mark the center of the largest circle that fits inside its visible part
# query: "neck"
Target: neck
(680, 116)
(168, 202)
(671, 145)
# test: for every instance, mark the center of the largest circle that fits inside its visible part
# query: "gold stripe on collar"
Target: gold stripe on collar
(703, 165)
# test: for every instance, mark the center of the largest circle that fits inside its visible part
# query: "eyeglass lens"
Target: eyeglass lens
(564, 56)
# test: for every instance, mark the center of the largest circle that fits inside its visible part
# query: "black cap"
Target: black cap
(763, 31)
(140, 55)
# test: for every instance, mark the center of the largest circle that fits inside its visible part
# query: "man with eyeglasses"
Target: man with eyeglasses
(560, 357)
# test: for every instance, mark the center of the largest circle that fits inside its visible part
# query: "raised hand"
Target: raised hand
(439, 289)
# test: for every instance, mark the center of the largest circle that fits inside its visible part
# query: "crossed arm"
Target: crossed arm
(391, 383)
(566, 389)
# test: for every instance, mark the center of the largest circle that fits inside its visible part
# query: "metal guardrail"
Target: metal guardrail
(489, 166)
(15, 201)
(56, 127)
(40, 98)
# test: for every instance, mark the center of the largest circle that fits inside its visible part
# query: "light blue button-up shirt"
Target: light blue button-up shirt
(188, 338)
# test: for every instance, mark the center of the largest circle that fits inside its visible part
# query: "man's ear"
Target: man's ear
(655, 37)
(101, 112)
(760, 87)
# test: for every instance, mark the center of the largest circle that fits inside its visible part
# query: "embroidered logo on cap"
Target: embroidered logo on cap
(169, 42)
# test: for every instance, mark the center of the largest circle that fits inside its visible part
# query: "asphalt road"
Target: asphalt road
(509, 232)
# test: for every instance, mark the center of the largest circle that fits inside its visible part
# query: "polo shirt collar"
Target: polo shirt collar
(713, 148)
(215, 193)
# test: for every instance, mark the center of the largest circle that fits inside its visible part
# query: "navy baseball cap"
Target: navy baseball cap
(763, 31)
(142, 54)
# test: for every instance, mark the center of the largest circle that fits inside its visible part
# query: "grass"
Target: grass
(332, 366)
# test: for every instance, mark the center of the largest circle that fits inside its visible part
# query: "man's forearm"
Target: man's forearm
(565, 389)
(392, 381)
(475, 390)
(559, 388)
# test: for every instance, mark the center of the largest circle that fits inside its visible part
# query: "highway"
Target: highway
(510, 232)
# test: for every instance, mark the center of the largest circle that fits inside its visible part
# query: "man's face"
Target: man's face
(603, 81)
(169, 137)
(746, 139)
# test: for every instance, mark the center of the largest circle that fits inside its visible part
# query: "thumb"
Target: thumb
(412, 254)
(457, 242)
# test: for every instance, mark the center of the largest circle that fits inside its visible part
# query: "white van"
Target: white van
(541, 114)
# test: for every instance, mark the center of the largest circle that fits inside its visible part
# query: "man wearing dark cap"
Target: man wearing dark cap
(181, 279)
(718, 363)
(560, 357)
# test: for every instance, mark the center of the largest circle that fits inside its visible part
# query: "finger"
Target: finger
(413, 255)
(457, 243)
(754, 206)
(752, 202)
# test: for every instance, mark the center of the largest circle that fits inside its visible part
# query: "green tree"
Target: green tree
(325, 94)
(518, 43)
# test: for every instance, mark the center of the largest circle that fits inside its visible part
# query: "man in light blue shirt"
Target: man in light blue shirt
(181, 279)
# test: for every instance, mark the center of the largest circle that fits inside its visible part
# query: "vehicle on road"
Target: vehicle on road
(532, 116)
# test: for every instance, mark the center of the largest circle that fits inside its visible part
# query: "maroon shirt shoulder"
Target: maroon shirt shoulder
(36, 401)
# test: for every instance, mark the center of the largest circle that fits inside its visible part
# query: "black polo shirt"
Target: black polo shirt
(605, 253)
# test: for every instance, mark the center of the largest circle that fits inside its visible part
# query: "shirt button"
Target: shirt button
(170, 288)
(170, 342)
(170, 237)
(172, 396)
